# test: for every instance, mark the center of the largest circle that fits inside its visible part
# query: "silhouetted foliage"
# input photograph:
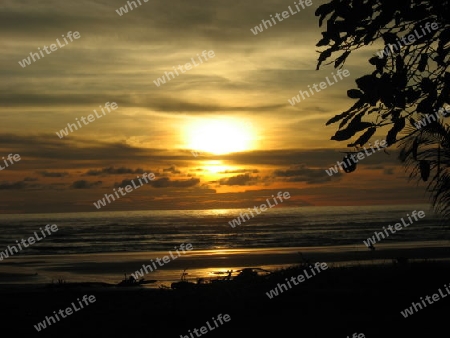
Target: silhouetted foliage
(409, 82)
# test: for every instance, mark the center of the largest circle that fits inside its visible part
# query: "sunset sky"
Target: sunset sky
(233, 109)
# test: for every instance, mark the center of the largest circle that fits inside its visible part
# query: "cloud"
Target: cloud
(156, 103)
(124, 183)
(165, 182)
(301, 173)
(389, 171)
(30, 179)
(113, 171)
(83, 184)
(53, 174)
(172, 170)
(66, 152)
(240, 171)
(10, 186)
(385, 170)
(244, 179)
(69, 154)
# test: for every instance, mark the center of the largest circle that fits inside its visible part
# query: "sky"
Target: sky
(219, 135)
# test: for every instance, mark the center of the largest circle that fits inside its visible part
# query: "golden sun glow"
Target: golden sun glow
(219, 136)
(215, 167)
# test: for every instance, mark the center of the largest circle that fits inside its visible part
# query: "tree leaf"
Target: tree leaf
(350, 167)
(423, 62)
(355, 94)
(350, 131)
(424, 170)
(364, 138)
(415, 147)
(391, 137)
(323, 56)
(340, 60)
(323, 11)
(337, 118)
(390, 38)
(427, 85)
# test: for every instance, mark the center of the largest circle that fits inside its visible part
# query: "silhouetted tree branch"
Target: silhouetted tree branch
(409, 83)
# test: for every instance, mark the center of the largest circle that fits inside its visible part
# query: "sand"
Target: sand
(335, 303)
(355, 294)
(111, 267)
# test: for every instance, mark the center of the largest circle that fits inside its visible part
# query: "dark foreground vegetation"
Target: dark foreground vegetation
(335, 303)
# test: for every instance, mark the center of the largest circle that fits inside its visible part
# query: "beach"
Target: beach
(207, 264)
(337, 302)
(224, 271)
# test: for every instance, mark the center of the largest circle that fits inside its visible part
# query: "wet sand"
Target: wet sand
(208, 264)
(336, 303)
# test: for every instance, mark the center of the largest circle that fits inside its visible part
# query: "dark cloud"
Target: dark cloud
(157, 103)
(83, 184)
(12, 185)
(113, 171)
(124, 183)
(49, 147)
(389, 171)
(53, 174)
(301, 173)
(240, 171)
(202, 20)
(30, 179)
(244, 179)
(68, 154)
(165, 182)
(35, 100)
(172, 170)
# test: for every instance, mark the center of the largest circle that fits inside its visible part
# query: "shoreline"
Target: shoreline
(357, 298)
(208, 264)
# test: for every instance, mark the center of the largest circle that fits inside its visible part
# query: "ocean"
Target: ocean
(103, 246)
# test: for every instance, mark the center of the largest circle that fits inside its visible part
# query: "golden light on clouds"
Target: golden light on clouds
(215, 167)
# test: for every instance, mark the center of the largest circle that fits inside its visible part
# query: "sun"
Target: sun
(219, 136)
